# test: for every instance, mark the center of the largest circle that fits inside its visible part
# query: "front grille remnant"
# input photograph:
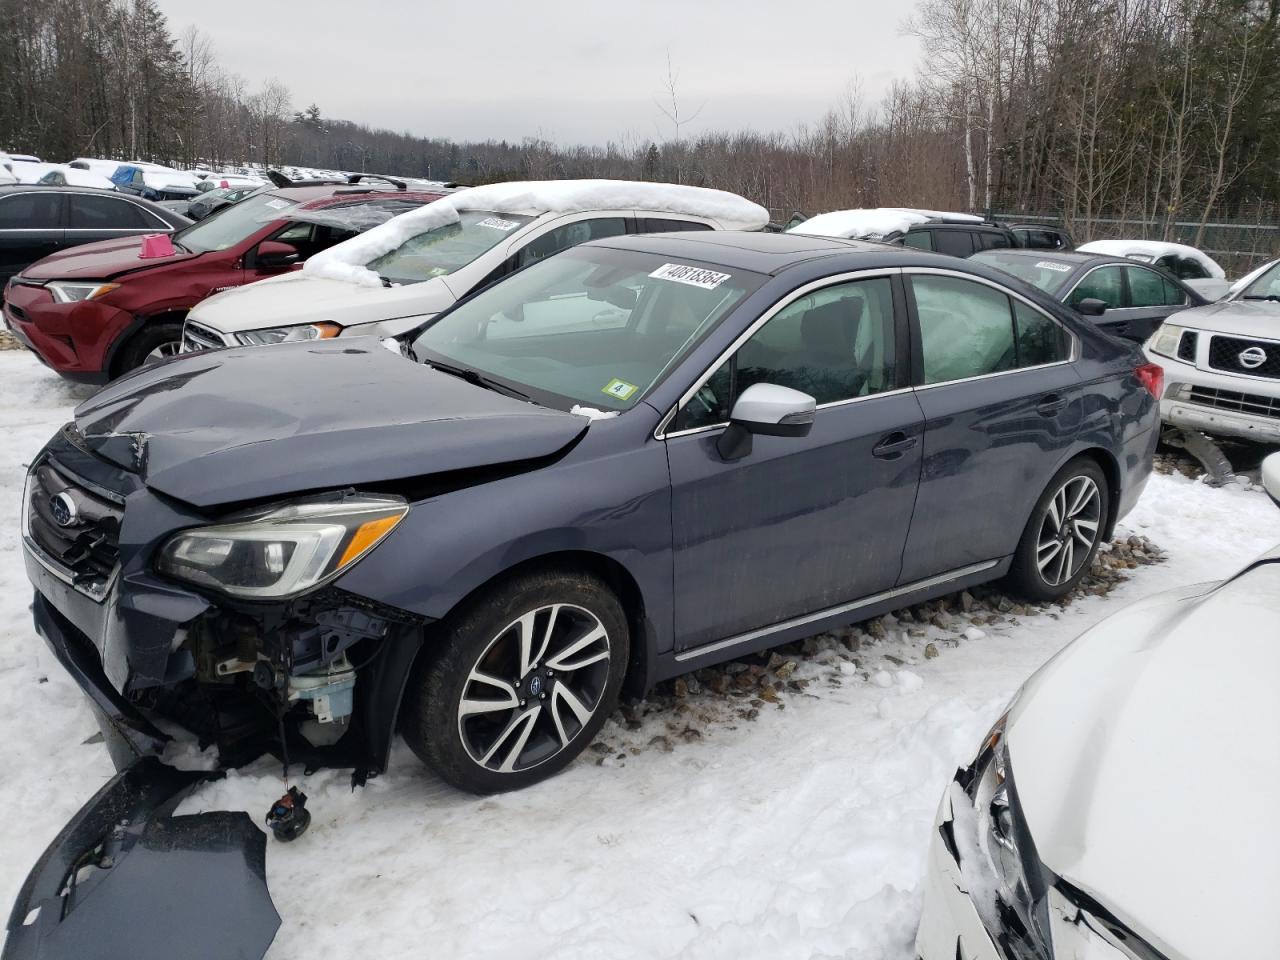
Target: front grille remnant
(1251, 403)
(197, 337)
(1254, 358)
(76, 529)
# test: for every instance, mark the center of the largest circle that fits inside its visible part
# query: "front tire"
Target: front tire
(153, 343)
(1064, 533)
(521, 681)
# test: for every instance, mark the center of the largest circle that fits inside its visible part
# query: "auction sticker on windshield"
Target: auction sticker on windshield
(694, 276)
(497, 223)
(1055, 267)
(620, 389)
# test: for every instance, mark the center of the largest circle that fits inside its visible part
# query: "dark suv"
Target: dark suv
(957, 239)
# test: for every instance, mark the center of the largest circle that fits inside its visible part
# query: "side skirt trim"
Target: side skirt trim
(744, 638)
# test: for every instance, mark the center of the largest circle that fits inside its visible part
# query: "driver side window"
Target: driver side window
(1105, 284)
(569, 235)
(834, 344)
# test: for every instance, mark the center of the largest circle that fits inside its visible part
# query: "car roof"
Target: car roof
(770, 253)
(61, 188)
(1065, 256)
(315, 197)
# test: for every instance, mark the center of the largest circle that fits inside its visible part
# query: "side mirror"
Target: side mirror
(767, 409)
(273, 254)
(1091, 307)
(1271, 477)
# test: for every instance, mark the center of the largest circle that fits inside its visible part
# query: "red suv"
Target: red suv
(99, 310)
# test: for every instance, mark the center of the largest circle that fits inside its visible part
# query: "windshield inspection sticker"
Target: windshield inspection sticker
(1055, 267)
(620, 389)
(694, 276)
(497, 223)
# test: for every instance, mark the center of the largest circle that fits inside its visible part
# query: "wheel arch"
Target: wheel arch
(1110, 468)
(140, 324)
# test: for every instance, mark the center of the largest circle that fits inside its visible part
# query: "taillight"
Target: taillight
(1151, 376)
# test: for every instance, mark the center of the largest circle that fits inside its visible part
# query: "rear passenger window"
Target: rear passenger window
(1039, 339)
(1148, 289)
(954, 243)
(966, 328)
(31, 211)
(992, 241)
(570, 235)
(658, 225)
(1173, 294)
(834, 344)
(920, 239)
(1105, 284)
(106, 213)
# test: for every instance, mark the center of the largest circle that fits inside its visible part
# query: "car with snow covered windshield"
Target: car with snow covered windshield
(1124, 298)
(481, 541)
(1086, 825)
(102, 309)
(390, 280)
(955, 234)
(1222, 362)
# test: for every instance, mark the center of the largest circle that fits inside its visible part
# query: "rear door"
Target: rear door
(31, 228)
(1000, 399)
(799, 525)
(104, 217)
(954, 243)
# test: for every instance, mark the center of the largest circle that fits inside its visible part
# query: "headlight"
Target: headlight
(307, 331)
(284, 550)
(998, 857)
(66, 291)
(1165, 340)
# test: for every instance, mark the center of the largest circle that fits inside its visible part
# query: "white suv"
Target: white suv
(1222, 362)
(390, 279)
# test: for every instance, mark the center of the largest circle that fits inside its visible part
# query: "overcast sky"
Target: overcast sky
(568, 70)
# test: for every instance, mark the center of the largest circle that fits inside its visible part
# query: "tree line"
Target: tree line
(1153, 110)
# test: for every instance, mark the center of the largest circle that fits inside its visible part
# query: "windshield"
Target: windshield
(446, 249)
(232, 224)
(1266, 287)
(1044, 272)
(589, 326)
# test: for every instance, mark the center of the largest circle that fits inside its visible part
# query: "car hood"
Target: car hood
(1145, 761)
(1241, 318)
(297, 298)
(102, 260)
(228, 426)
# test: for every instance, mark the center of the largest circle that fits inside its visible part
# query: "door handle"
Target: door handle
(1051, 405)
(894, 445)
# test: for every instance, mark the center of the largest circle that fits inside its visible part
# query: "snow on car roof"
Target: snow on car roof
(874, 223)
(1154, 250)
(347, 260)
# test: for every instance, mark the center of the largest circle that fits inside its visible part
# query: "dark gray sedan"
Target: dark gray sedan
(1123, 297)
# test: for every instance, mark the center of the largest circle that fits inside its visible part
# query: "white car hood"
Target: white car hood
(295, 299)
(1241, 318)
(1146, 757)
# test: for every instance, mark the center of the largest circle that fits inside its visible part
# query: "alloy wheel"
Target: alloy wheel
(1069, 530)
(163, 351)
(534, 688)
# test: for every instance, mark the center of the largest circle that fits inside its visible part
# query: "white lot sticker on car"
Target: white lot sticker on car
(278, 204)
(1055, 267)
(694, 276)
(497, 223)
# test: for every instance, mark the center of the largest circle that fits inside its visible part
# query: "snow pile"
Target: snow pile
(347, 260)
(1153, 250)
(76, 177)
(873, 224)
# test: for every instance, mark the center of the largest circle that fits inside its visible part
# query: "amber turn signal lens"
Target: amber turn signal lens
(366, 536)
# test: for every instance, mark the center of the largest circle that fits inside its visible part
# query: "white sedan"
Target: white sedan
(1125, 806)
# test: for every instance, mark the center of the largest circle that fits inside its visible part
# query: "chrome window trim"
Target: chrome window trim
(690, 431)
(807, 618)
(659, 432)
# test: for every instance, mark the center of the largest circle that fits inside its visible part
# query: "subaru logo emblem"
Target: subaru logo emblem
(1252, 358)
(63, 509)
(535, 685)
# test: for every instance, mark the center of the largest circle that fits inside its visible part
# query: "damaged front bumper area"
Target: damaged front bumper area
(126, 879)
(316, 679)
(967, 916)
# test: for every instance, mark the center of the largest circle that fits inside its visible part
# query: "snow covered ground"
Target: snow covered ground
(798, 833)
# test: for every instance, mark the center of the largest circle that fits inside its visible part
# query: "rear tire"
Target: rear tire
(518, 682)
(154, 342)
(1064, 533)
